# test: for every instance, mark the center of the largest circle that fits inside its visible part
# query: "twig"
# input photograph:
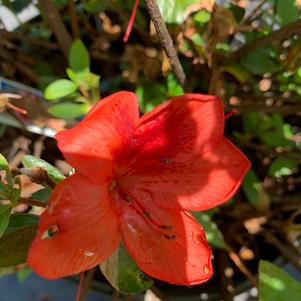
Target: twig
(242, 267)
(286, 109)
(158, 294)
(11, 35)
(165, 40)
(280, 34)
(56, 24)
(74, 20)
(253, 12)
(284, 249)
(32, 202)
(87, 284)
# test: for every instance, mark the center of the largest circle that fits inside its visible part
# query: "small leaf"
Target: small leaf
(238, 72)
(69, 110)
(59, 88)
(213, 234)
(123, 274)
(254, 191)
(276, 285)
(4, 217)
(259, 62)
(32, 162)
(42, 195)
(282, 166)
(3, 163)
(16, 241)
(273, 139)
(202, 16)
(173, 11)
(287, 11)
(79, 59)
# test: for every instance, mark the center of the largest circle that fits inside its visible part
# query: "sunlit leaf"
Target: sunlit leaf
(32, 162)
(123, 274)
(79, 59)
(69, 110)
(276, 285)
(282, 166)
(59, 88)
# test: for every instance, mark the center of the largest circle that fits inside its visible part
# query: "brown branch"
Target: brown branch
(32, 202)
(56, 24)
(253, 12)
(165, 40)
(280, 34)
(11, 35)
(74, 20)
(284, 109)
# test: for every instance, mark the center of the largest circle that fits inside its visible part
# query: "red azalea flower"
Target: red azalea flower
(135, 178)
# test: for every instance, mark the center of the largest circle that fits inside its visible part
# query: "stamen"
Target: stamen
(231, 113)
(113, 185)
(131, 22)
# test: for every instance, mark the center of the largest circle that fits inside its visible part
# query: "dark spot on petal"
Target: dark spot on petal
(166, 227)
(50, 232)
(170, 236)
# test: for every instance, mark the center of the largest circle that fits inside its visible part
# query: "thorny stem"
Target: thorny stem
(166, 40)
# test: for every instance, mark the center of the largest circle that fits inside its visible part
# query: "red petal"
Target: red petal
(179, 255)
(182, 127)
(203, 182)
(87, 230)
(92, 145)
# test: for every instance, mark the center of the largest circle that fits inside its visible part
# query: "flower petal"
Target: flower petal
(92, 145)
(86, 225)
(167, 245)
(182, 127)
(203, 182)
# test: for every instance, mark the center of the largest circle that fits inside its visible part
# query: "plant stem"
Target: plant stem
(32, 202)
(56, 24)
(166, 40)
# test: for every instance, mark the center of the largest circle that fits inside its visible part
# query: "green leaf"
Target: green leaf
(274, 139)
(213, 234)
(287, 11)
(3, 163)
(32, 162)
(202, 16)
(4, 217)
(42, 195)
(173, 11)
(59, 88)
(238, 72)
(282, 166)
(276, 285)
(254, 191)
(173, 87)
(259, 62)
(79, 59)
(16, 241)
(95, 6)
(123, 274)
(23, 274)
(69, 110)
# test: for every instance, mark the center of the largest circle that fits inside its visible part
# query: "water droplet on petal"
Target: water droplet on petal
(198, 236)
(89, 253)
(206, 269)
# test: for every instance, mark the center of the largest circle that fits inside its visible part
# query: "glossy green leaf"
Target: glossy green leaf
(69, 110)
(277, 285)
(202, 16)
(213, 234)
(282, 166)
(32, 162)
(287, 11)
(173, 11)
(15, 242)
(123, 274)
(79, 58)
(254, 191)
(42, 195)
(60, 88)
(4, 217)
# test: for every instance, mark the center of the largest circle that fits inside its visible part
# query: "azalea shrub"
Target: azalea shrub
(156, 178)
